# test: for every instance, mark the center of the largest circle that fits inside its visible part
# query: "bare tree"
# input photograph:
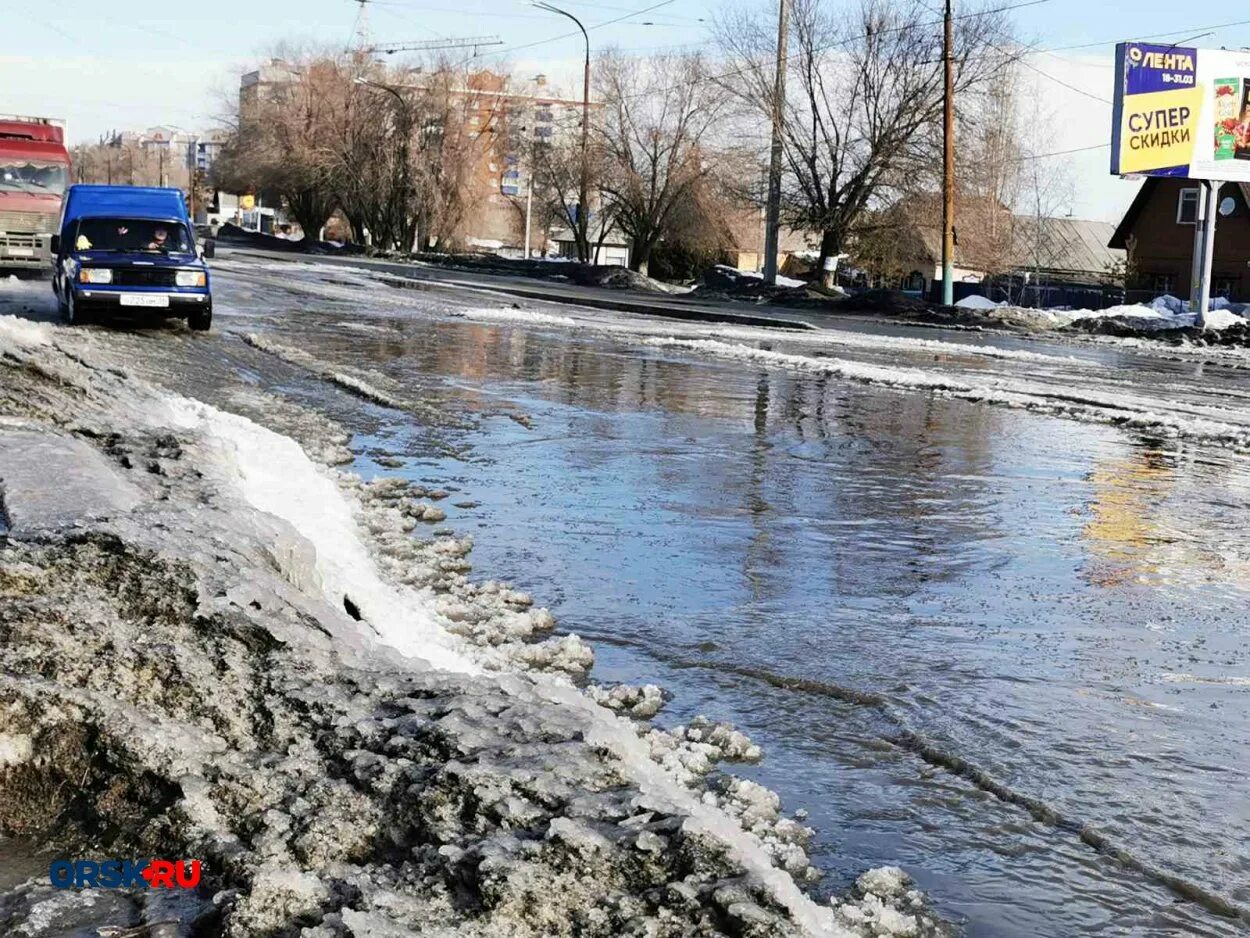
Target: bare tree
(658, 116)
(129, 162)
(550, 151)
(278, 139)
(397, 150)
(862, 118)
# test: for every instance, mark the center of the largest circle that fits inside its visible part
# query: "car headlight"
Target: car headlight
(190, 278)
(95, 275)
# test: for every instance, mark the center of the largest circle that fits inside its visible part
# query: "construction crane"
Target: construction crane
(435, 45)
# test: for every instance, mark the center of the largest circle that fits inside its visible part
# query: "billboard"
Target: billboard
(1181, 111)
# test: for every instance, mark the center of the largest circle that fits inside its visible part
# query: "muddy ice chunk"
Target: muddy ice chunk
(887, 882)
(569, 655)
(48, 480)
(731, 744)
(15, 748)
(280, 893)
(884, 905)
(641, 702)
(40, 911)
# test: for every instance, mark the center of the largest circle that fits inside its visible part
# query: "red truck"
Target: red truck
(34, 171)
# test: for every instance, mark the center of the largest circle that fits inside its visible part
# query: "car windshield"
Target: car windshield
(132, 234)
(17, 175)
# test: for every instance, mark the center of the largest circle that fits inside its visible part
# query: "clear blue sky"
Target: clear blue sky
(118, 64)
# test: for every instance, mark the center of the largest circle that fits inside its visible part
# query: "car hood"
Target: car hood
(137, 259)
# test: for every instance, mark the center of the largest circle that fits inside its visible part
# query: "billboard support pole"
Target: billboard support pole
(1200, 230)
(1208, 250)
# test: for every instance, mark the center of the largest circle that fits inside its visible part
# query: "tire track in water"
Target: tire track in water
(915, 742)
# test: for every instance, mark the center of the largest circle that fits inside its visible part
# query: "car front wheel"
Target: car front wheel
(200, 319)
(71, 311)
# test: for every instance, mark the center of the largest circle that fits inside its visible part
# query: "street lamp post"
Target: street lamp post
(583, 196)
(405, 133)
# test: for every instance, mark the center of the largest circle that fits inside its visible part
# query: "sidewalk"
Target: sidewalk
(669, 307)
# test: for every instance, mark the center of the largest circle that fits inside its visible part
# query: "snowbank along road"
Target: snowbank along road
(983, 610)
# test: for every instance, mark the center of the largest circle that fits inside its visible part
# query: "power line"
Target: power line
(1042, 156)
(611, 22)
(1060, 81)
(1164, 35)
(1019, 57)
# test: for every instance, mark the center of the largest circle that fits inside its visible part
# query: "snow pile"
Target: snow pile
(976, 301)
(273, 475)
(1162, 313)
(259, 666)
(734, 272)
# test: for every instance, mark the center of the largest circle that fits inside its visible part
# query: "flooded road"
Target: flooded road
(996, 645)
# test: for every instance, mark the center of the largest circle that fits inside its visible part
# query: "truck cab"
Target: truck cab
(34, 171)
(130, 249)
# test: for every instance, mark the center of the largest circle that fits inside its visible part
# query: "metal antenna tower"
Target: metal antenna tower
(434, 45)
(360, 31)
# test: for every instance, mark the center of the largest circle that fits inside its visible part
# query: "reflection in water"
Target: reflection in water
(773, 547)
(1149, 526)
(1122, 532)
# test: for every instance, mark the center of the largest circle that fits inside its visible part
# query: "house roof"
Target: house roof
(745, 225)
(1075, 245)
(1072, 245)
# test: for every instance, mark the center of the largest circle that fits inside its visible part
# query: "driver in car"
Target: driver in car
(160, 240)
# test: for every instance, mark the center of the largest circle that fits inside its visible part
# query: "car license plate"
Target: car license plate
(21, 252)
(144, 299)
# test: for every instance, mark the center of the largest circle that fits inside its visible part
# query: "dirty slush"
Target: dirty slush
(199, 639)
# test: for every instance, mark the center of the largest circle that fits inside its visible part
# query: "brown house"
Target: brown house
(1157, 233)
(901, 247)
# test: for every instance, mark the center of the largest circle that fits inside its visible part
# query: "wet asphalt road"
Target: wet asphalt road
(990, 642)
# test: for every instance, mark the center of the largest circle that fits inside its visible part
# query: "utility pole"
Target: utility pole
(772, 223)
(162, 159)
(948, 167)
(583, 194)
(529, 211)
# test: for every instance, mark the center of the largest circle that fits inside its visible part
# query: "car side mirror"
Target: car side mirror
(56, 245)
(210, 248)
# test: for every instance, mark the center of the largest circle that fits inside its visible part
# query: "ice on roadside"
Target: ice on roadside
(1161, 313)
(327, 687)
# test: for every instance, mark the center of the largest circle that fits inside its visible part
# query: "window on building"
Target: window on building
(914, 281)
(1224, 286)
(1187, 207)
(1162, 283)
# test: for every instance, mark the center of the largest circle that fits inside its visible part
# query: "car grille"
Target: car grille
(143, 277)
(27, 221)
(19, 241)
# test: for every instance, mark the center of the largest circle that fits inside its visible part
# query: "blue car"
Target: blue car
(130, 249)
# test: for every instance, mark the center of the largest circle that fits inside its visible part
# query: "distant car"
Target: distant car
(132, 249)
